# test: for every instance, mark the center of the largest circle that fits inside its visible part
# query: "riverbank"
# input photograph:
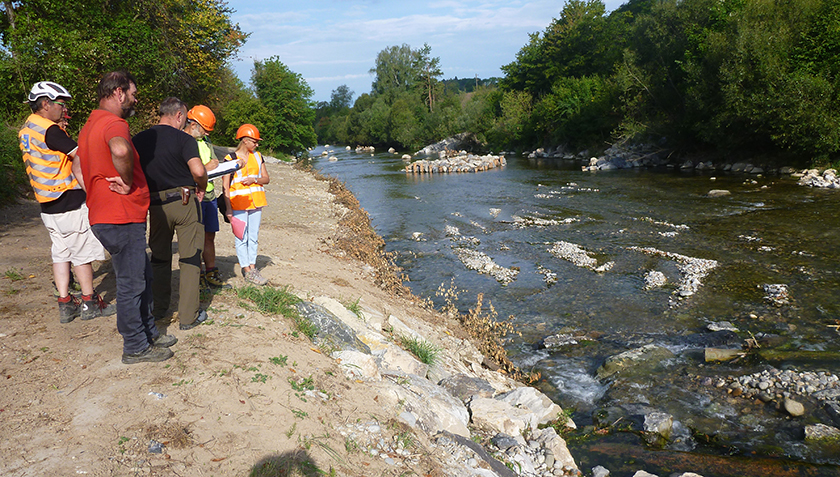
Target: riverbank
(249, 392)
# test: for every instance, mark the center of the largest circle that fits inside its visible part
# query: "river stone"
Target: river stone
(642, 473)
(505, 442)
(400, 328)
(714, 339)
(794, 408)
(357, 365)
(658, 426)
(435, 409)
(821, 432)
(713, 355)
(636, 360)
(395, 358)
(465, 387)
(599, 471)
(538, 403)
(458, 447)
(833, 410)
(500, 416)
(721, 326)
(332, 332)
(556, 445)
(718, 193)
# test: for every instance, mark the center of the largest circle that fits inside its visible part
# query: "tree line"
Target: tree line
(177, 48)
(728, 77)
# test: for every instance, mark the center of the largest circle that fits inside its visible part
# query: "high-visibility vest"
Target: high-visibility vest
(246, 197)
(206, 156)
(49, 171)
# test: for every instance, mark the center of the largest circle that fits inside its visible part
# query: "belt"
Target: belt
(169, 195)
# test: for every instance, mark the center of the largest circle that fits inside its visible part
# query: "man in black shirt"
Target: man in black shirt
(50, 158)
(177, 180)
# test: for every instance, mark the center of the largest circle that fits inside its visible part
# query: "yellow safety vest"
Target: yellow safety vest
(49, 171)
(246, 197)
(206, 155)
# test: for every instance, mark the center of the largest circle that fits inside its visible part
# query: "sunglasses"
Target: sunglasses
(61, 103)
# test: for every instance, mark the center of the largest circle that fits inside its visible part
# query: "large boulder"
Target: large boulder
(332, 332)
(500, 416)
(464, 387)
(536, 402)
(357, 365)
(464, 141)
(431, 407)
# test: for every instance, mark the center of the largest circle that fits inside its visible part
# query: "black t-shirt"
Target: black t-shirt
(58, 140)
(164, 152)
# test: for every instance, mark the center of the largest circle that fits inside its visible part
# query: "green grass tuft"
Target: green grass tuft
(281, 302)
(426, 352)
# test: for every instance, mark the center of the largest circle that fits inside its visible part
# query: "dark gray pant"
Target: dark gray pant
(127, 245)
(164, 222)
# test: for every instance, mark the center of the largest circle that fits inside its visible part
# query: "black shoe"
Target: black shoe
(95, 306)
(201, 318)
(164, 341)
(68, 310)
(152, 354)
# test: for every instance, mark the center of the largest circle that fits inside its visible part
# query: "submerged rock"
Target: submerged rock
(635, 360)
(821, 432)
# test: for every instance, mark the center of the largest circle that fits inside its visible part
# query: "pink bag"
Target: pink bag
(238, 227)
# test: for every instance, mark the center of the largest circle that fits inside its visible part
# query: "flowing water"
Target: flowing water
(768, 231)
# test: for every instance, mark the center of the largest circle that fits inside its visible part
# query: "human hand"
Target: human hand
(199, 194)
(117, 185)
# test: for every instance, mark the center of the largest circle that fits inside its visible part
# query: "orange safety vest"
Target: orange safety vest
(246, 197)
(49, 171)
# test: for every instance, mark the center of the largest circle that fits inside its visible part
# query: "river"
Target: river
(768, 231)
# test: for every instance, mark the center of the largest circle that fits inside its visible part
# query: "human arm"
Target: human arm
(199, 174)
(76, 169)
(122, 155)
(226, 196)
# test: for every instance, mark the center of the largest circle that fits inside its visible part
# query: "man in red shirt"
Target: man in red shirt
(118, 199)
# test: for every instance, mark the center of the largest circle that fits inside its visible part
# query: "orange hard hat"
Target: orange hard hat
(203, 116)
(248, 130)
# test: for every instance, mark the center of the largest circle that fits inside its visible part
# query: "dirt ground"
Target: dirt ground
(225, 403)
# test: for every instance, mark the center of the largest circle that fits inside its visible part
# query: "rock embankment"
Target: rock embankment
(451, 400)
(459, 162)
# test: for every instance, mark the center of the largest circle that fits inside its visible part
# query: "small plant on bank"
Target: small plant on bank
(14, 274)
(426, 352)
(279, 301)
(355, 308)
(278, 360)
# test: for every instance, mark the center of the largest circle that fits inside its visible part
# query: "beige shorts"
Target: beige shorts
(72, 239)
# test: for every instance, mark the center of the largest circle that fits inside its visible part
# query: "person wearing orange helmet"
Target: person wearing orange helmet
(245, 198)
(200, 122)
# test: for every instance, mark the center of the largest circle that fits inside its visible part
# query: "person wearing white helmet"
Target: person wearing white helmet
(50, 158)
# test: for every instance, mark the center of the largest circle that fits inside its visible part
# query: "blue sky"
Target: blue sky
(335, 42)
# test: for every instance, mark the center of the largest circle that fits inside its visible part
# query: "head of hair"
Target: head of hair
(113, 81)
(38, 104)
(171, 106)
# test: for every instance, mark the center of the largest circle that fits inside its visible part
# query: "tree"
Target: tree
(395, 70)
(429, 70)
(341, 98)
(287, 99)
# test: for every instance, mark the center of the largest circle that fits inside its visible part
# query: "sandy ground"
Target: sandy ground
(221, 405)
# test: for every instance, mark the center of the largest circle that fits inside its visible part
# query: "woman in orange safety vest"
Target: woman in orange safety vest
(245, 197)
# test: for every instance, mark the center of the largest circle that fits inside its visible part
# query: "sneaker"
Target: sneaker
(68, 308)
(214, 278)
(201, 318)
(94, 306)
(164, 341)
(254, 277)
(152, 354)
(203, 286)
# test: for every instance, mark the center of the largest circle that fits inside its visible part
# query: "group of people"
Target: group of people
(95, 195)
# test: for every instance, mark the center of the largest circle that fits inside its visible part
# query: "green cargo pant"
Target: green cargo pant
(164, 221)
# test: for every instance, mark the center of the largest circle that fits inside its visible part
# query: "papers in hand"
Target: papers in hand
(224, 168)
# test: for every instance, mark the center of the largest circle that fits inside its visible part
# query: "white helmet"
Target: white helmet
(48, 89)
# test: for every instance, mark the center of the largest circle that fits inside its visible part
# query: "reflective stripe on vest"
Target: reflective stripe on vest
(245, 197)
(49, 171)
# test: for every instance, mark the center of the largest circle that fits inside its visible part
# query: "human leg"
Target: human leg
(253, 235)
(127, 245)
(161, 230)
(61, 275)
(242, 244)
(190, 240)
(210, 219)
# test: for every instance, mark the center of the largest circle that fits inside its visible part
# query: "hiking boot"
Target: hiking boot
(214, 278)
(203, 286)
(201, 318)
(152, 354)
(94, 306)
(68, 308)
(253, 276)
(164, 341)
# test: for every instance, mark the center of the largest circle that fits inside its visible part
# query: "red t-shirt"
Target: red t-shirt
(107, 206)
